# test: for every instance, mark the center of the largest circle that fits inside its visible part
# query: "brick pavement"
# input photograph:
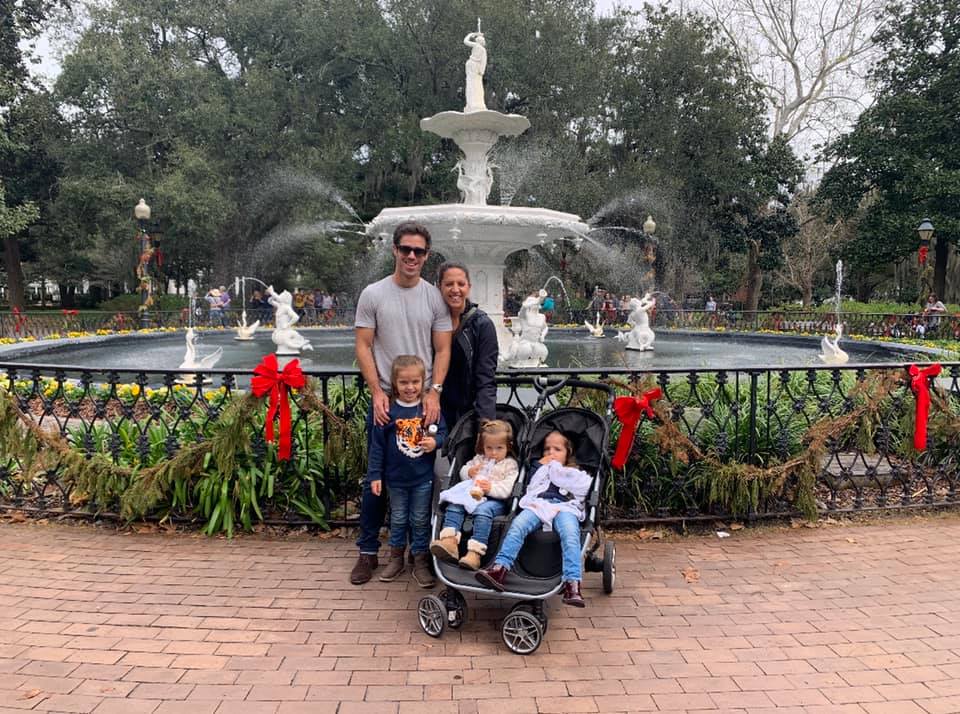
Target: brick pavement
(860, 619)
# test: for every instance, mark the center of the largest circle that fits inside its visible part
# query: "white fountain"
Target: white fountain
(830, 352)
(191, 358)
(245, 332)
(479, 235)
(640, 337)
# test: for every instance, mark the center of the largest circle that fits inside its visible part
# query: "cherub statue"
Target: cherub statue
(640, 337)
(529, 329)
(287, 340)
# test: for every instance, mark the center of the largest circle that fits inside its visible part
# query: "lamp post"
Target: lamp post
(925, 231)
(142, 213)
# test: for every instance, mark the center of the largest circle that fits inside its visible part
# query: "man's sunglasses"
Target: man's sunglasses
(408, 249)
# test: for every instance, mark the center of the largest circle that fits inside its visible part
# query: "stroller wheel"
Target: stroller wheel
(456, 606)
(432, 614)
(609, 566)
(521, 631)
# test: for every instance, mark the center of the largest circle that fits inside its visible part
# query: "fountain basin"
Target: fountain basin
(569, 348)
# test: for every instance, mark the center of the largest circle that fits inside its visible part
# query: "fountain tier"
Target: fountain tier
(482, 237)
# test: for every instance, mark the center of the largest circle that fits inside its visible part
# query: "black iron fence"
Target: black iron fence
(726, 443)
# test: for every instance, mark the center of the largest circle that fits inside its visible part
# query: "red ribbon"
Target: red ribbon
(630, 411)
(923, 255)
(19, 320)
(268, 378)
(70, 312)
(920, 387)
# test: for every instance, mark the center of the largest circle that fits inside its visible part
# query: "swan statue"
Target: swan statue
(245, 331)
(190, 360)
(830, 352)
(596, 330)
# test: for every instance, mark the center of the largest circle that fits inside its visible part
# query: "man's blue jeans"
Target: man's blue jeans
(482, 518)
(410, 510)
(565, 524)
(373, 509)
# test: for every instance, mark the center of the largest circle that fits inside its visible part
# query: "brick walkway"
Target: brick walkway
(835, 619)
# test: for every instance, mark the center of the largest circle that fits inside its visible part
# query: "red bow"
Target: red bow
(70, 312)
(19, 320)
(267, 377)
(630, 410)
(920, 387)
(923, 255)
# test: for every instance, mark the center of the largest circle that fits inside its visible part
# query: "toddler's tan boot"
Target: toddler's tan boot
(447, 546)
(475, 551)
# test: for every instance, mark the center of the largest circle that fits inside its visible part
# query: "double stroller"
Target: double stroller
(537, 573)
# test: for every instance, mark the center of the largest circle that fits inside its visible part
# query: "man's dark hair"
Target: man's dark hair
(410, 229)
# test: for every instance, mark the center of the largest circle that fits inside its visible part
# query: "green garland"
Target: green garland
(141, 490)
(741, 488)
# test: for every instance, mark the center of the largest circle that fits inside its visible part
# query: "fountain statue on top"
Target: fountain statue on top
(640, 337)
(477, 234)
(529, 328)
(288, 341)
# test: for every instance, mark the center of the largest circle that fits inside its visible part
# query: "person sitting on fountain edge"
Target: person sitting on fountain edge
(401, 314)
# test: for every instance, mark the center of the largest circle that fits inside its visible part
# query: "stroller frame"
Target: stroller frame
(524, 626)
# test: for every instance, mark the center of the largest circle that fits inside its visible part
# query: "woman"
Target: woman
(470, 382)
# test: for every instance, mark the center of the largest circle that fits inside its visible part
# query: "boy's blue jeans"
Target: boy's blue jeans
(565, 524)
(410, 509)
(482, 518)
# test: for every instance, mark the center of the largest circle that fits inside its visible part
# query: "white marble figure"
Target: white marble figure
(190, 360)
(640, 337)
(529, 330)
(245, 331)
(830, 352)
(287, 340)
(597, 329)
(476, 65)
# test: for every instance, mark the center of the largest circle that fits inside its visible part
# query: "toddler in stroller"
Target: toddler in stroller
(483, 492)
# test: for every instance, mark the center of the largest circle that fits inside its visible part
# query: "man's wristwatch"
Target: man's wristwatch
(438, 388)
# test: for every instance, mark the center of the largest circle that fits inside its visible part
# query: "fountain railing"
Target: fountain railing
(735, 418)
(41, 324)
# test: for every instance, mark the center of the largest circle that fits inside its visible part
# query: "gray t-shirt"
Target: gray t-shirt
(403, 320)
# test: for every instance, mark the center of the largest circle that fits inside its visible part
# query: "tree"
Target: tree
(20, 22)
(807, 56)
(810, 251)
(904, 152)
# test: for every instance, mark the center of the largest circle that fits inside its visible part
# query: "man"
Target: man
(401, 314)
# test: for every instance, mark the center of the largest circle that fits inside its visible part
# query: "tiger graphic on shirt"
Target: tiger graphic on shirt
(410, 436)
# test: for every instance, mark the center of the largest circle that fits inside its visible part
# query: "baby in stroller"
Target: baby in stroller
(484, 490)
(555, 497)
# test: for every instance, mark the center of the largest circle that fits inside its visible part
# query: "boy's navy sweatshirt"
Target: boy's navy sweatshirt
(395, 453)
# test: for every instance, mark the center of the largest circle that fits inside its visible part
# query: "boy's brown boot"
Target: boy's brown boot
(475, 551)
(447, 546)
(421, 570)
(394, 566)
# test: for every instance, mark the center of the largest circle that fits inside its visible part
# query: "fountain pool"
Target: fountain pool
(334, 349)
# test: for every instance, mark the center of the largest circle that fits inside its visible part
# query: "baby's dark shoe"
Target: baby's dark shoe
(571, 593)
(493, 577)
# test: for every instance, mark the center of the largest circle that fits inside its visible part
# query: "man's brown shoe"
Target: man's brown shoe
(363, 569)
(394, 566)
(493, 577)
(421, 571)
(571, 593)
